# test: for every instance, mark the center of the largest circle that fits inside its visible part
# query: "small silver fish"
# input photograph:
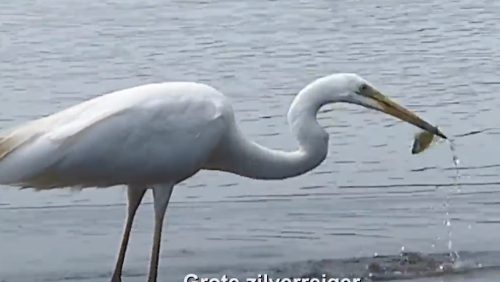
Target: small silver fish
(422, 141)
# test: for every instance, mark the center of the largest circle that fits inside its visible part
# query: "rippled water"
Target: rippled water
(371, 195)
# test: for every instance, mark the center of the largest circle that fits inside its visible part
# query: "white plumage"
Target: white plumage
(128, 136)
(156, 135)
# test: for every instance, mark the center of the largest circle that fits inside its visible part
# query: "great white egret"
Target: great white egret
(157, 135)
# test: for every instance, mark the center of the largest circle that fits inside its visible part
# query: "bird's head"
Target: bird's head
(356, 90)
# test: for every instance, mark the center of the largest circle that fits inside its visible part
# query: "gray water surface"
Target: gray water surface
(370, 196)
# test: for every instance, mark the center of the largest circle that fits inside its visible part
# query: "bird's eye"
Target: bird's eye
(361, 89)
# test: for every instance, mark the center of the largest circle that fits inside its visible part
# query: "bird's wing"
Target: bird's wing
(74, 120)
(37, 142)
(57, 127)
(113, 124)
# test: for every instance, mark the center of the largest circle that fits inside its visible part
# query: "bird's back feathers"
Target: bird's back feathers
(93, 139)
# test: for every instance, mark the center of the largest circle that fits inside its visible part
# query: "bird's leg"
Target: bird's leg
(135, 195)
(161, 196)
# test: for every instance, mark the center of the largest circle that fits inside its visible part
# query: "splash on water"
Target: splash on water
(408, 265)
(399, 267)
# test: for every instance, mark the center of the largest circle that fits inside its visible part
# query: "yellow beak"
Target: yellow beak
(392, 108)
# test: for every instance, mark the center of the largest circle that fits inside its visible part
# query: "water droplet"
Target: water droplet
(456, 163)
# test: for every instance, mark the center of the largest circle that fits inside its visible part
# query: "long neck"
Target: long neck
(247, 158)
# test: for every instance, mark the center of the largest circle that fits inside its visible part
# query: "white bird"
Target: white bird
(157, 135)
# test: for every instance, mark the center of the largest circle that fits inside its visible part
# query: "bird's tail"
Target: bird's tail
(18, 160)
